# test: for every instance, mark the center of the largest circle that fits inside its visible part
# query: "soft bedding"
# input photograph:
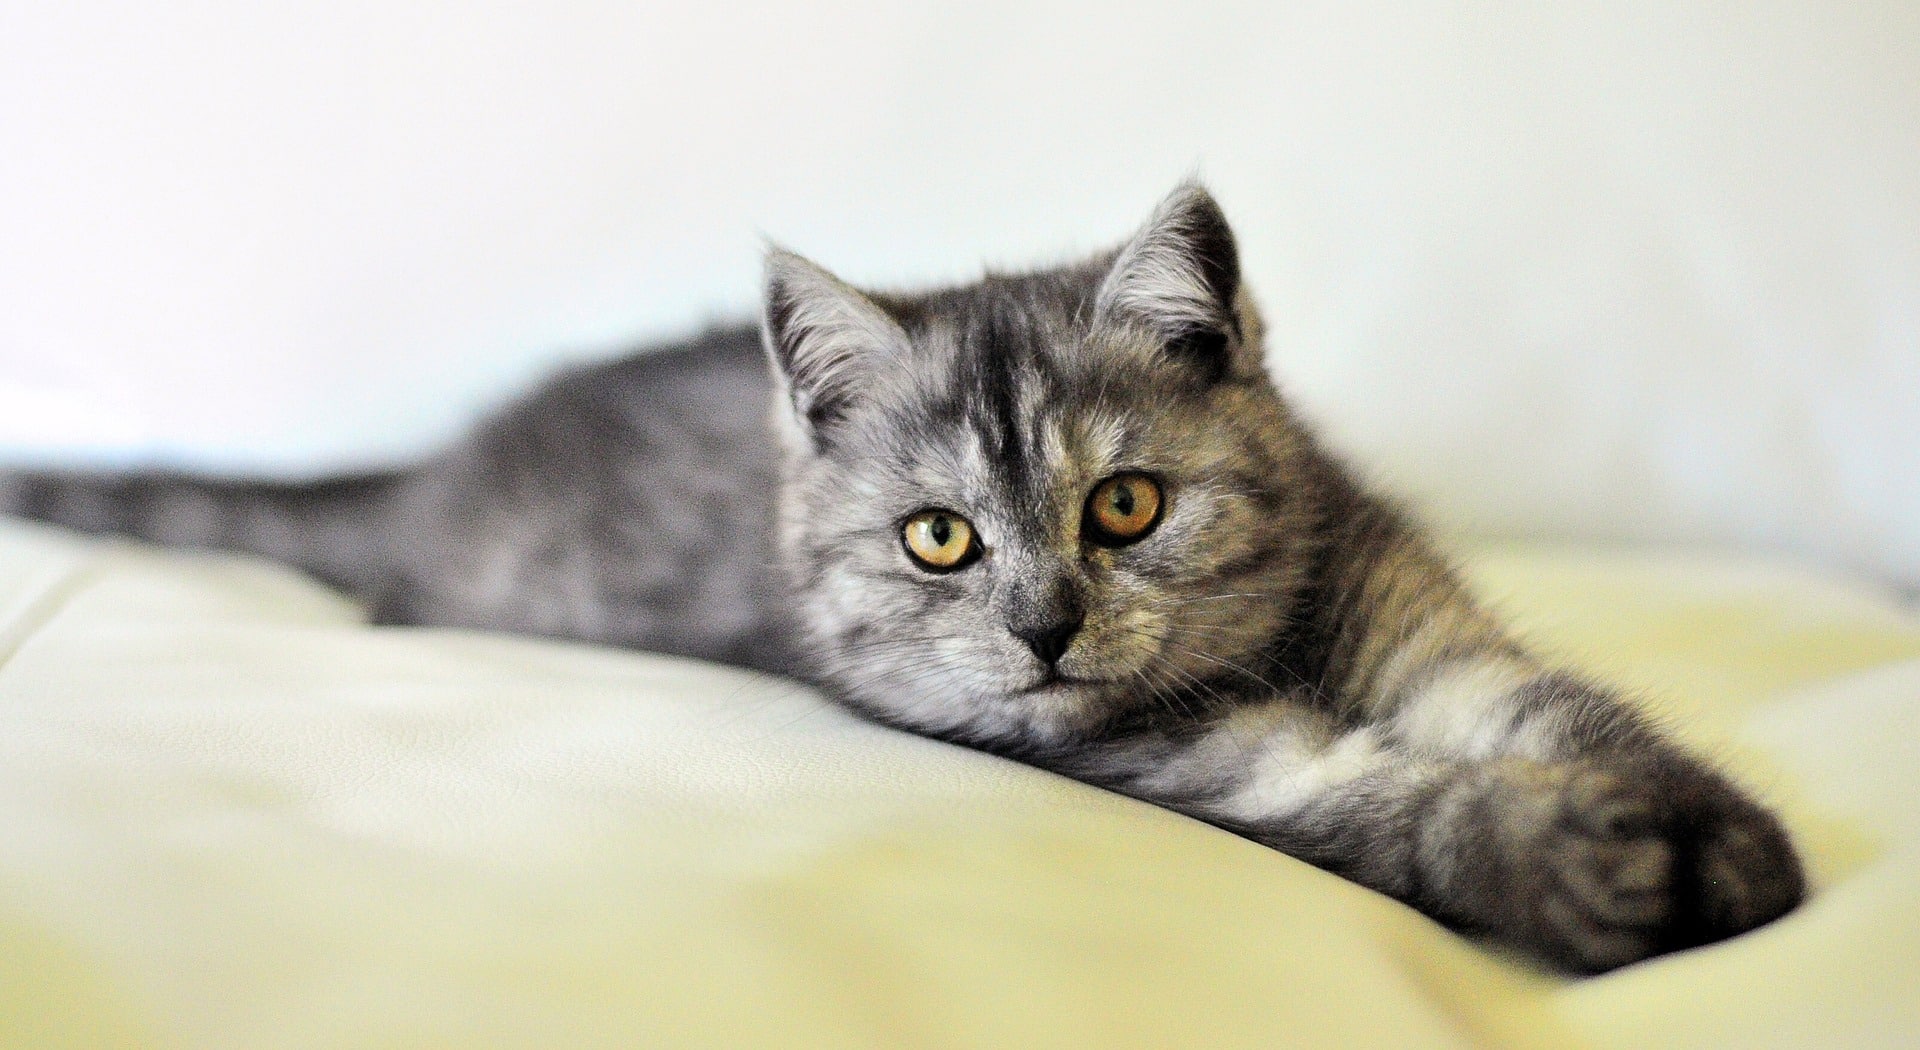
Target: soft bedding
(231, 815)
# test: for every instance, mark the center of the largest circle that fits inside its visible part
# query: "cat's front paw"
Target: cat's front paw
(1595, 865)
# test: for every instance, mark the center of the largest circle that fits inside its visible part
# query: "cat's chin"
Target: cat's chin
(1052, 710)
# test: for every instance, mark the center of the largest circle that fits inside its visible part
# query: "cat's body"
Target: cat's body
(1066, 517)
(601, 508)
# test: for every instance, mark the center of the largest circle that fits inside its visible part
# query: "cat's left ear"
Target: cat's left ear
(1178, 280)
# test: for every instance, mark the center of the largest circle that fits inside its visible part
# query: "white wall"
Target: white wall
(1605, 269)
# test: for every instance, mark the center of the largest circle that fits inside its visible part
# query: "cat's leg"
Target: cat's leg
(1286, 773)
(1617, 808)
(1570, 823)
(1562, 859)
(1589, 864)
(1592, 819)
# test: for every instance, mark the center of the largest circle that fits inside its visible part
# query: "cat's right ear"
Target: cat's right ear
(828, 342)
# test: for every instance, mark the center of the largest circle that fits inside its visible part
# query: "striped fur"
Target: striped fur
(1282, 654)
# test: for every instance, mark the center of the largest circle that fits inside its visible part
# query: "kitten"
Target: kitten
(1063, 516)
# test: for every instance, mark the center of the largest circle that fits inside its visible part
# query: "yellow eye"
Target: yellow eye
(1122, 510)
(939, 540)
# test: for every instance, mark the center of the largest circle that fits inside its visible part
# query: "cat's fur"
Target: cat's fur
(1283, 655)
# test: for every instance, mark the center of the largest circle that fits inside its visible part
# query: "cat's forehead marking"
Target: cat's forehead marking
(998, 374)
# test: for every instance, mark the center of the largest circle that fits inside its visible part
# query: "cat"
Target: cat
(1064, 516)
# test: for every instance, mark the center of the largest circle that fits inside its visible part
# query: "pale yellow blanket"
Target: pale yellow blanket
(232, 816)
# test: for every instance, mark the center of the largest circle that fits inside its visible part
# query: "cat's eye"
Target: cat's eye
(940, 540)
(1122, 509)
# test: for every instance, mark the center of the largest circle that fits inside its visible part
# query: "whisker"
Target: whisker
(1229, 664)
(1163, 602)
(1198, 683)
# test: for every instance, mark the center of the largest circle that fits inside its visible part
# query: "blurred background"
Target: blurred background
(1601, 271)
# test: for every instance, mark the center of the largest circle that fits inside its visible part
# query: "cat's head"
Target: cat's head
(1017, 510)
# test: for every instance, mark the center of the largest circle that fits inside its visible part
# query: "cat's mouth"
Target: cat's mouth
(1054, 681)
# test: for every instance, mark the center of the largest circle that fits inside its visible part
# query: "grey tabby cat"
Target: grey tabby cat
(1063, 516)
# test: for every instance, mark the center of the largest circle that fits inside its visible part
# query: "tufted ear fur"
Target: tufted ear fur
(826, 339)
(1179, 279)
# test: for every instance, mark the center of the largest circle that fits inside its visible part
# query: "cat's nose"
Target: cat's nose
(1049, 641)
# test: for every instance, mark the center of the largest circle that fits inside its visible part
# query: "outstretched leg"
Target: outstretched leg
(1589, 862)
(1566, 822)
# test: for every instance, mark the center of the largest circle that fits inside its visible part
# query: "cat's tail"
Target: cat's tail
(339, 529)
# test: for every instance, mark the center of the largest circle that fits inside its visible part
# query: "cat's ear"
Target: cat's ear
(828, 341)
(1178, 279)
